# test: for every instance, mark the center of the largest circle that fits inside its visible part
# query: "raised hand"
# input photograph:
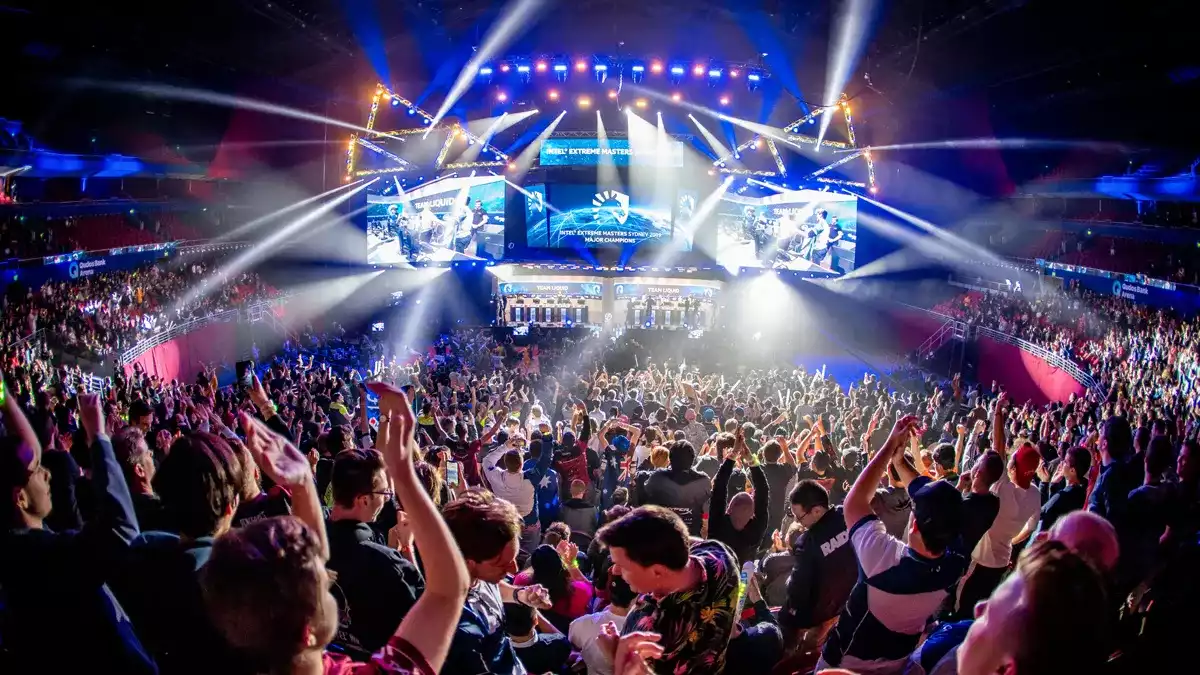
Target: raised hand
(91, 416)
(400, 537)
(275, 455)
(401, 445)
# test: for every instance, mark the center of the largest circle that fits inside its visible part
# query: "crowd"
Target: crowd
(569, 506)
(97, 316)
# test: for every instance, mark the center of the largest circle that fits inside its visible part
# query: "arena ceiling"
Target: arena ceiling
(933, 69)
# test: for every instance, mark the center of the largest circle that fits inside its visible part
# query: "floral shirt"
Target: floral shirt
(398, 657)
(696, 624)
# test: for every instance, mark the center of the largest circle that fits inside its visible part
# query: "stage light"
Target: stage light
(504, 68)
(612, 94)
(560, 67)
(486, 70)
(758, 144)
(522, 69)
(426, 121)
(600, 67)
(412, 111)
(638, 69)
(697, 70)
(676, 97)
(724, 100)
(553, 95)
(875, 190)
(512, 166)
(584, 101)
(641, 103)
(754, 77)
(656, 67)
(581, 66)
(715, 72)
(711, 172)
(541, 66)
(734, 72)
(395, 102)
(502, 97)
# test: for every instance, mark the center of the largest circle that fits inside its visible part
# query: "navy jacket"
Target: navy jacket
(57, 614)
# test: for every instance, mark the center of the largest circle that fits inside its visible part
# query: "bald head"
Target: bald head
(1090, 536)
(741, 510)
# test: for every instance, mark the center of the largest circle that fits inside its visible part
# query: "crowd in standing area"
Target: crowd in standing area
(489, 507)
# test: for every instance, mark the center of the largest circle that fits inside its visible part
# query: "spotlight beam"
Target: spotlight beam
(517, 16)
(713, 141)
(268, 245)
(606, 170)
(525, 159)
(244, 228)
(852, 25)
(1004, 144)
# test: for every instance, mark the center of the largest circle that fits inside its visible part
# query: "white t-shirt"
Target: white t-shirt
(583, 633)
(1018, 507)
(514, 488)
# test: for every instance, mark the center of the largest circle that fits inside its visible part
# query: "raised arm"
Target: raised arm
(858, 500)
(998, 443)
(280, 461)
(116, 522)
(429, 625)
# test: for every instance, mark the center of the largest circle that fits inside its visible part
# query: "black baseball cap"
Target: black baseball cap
(938, 512)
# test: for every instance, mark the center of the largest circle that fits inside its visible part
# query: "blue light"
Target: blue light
(395, 101)
(411, 111)
(714, 73)
(486, 70)
(560, 67)
(639, 69)
(754, 77)
(601, 66)
(522, 69)
(427, 122)
(676, 70)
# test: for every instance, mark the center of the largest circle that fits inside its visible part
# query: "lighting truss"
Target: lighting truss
(382, 92)
(390, 155)
(473, 165)
(775, 154)
(796, 139)
(612, 134)
(839, 181)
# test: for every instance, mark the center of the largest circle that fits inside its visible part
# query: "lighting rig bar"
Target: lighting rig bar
(390, 155)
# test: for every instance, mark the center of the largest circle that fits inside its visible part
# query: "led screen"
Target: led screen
(801, 230)
(587, 216)
(450, 219)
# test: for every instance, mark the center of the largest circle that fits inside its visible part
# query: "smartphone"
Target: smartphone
(245, 373)
(452, 473)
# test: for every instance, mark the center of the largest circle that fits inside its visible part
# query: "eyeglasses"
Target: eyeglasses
(386, 493)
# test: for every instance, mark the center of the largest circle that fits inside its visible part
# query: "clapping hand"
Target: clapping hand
(535, 596)
(275, 455)
(567, 551)
(400, 537)
(629, 652)
(401, 445)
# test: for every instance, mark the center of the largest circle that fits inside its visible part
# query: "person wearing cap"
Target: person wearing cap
(1020, 509)
(899, 585)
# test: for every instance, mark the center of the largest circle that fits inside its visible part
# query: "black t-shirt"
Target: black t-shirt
(778, 477)
(979, 511)
(1063, 501)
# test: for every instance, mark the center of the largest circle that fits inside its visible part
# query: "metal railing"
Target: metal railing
(1054, 359)
(961, 331)
(252, 313)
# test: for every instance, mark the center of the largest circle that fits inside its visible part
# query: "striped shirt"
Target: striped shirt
(897, 591)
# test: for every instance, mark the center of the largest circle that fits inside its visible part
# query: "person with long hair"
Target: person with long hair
(556, 570)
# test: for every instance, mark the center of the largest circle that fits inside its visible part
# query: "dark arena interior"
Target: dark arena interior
(535, 336)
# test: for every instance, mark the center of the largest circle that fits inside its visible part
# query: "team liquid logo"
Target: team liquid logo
(591, 289)
(687, 206)
(537, 202)
(622, 201)
(506, 289)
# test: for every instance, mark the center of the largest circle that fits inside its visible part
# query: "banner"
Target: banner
(570, 289)
(662, 291)
(81, 266)
(589, 151)
(1136, 288)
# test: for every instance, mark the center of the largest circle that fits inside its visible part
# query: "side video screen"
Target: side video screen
(801, 230)
(447, 220)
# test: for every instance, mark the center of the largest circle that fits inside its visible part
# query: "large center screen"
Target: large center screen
(587, 216)
(449, 219)
(803, 230)
(618, 151)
